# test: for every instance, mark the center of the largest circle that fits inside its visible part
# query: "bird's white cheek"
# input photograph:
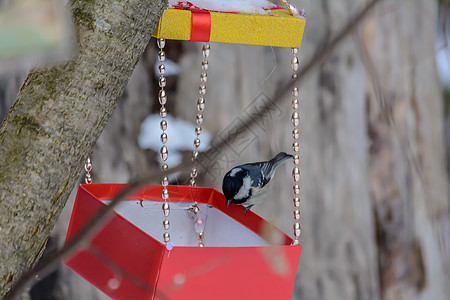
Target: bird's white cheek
(244, 191)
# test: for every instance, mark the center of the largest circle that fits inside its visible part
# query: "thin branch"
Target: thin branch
(44, 266)
(315, 61)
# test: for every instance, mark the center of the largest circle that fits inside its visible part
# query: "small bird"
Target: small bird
(248, 184)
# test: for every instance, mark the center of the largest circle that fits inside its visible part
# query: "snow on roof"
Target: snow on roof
(247, 6)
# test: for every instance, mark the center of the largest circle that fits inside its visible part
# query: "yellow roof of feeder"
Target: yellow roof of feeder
(265, 25)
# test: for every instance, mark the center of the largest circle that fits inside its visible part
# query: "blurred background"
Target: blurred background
(374, 142)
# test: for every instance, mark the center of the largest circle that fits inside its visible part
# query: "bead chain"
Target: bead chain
(88, 169)
(200, 108)
(295, 147)
(162, 97)
(293, 10)
(199, 223)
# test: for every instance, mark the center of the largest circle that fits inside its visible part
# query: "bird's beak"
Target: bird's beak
(227, 202)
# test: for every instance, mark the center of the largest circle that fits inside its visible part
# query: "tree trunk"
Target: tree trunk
(55, 121)
(407, 175)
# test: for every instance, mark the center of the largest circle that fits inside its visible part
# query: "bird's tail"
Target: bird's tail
(279, 159)
(268, 168)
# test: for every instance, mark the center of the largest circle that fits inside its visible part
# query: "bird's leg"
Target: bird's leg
(227, 202)
(247, 209)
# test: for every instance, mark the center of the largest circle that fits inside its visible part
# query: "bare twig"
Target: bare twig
(44, 266)
(315, 61)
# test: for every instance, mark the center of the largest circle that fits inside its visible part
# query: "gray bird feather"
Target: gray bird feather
(248, 184)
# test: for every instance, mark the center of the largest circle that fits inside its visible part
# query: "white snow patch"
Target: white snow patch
(443, 65)
(248, 6)
(172, 68)
(245, 188)
(180, 137)
(235, 171)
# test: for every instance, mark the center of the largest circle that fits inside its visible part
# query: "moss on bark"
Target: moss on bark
(56, 119)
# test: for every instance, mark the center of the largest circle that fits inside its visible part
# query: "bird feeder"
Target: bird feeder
(183, 242)
(127, 259)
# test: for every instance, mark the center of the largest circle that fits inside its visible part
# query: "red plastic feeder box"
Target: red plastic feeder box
(127, 258)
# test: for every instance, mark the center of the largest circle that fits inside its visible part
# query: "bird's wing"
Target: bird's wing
(266, 170)
(256, 174)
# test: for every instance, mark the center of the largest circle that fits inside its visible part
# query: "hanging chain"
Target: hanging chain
(295, 132)
(295, 147)
(88, 169)
(199, 217)
(200, 108)
(162, 97)
(199, 223)
(294, 10)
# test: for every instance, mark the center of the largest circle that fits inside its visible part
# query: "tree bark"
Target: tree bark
(55, 121)
(407, 174)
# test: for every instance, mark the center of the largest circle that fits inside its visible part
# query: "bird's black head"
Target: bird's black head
(232, 183)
